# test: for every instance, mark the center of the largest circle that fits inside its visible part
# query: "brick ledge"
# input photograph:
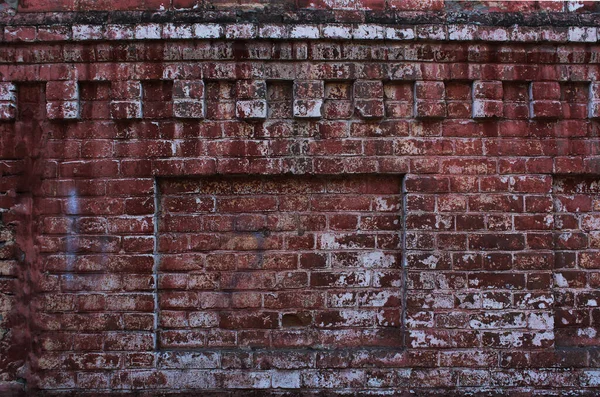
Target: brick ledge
(272, 31)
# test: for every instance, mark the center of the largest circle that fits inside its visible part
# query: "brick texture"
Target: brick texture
(303, 197)
(280, 263)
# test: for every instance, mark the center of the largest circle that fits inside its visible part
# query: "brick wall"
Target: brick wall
(299, 198)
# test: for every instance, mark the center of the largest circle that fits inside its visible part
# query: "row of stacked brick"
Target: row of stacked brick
(368, 99)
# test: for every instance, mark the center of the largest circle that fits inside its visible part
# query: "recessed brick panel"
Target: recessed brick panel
(479, 265)
(285, 262)
(577, 262)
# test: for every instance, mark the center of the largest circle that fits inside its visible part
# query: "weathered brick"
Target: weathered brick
(251, 109)
(8, 101)
(374, 197)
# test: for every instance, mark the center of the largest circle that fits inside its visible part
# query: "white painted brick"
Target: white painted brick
(304, 32)
(285, 379)
(399, 33)
(272, 31)
(590, 378)
(241, 31)
(525, 34)
(88, 32)
(146, 31)
(583, 34)
(462, 32)
(173, 31)
(492, 34)
(431, 32)
(207, 31)
(337, 32)
(119, 32)
(368, 32)
(554, 35)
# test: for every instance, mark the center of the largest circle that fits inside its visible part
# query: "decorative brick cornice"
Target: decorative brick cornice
(391, 25)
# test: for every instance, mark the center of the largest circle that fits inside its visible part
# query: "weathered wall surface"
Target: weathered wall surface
(299, 197)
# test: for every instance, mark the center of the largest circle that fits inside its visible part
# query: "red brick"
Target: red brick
(357, 214)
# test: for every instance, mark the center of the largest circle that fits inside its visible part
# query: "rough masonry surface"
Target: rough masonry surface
(315, 198)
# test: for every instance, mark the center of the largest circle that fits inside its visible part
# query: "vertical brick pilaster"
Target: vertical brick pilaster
(62, 100)
(126, 100)
(189, 99)
(308, 98)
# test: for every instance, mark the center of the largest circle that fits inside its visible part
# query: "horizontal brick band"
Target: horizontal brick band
(271, 31)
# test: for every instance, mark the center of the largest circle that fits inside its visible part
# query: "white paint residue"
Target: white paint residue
(574, 5)
(431, 261)
(588, 332)
(539, 338)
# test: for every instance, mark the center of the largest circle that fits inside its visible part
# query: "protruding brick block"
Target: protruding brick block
(8, 110)
(544, 100)
(62, 100)
(8, 101)
(250, 89)
(129, 89)
(251, 99)
(62, 90)
(126, 100)
(545, 91)
(251, 109)
(189, 99)
(308, 108)
(308, 98)
(370, 108)
(188, 89)
(368, 96)
(62, 109)
(487, 99)
(486, 109)
(309, 89)
(430, 99)
(398, 99)
(489, 90)
(368, 89)
(189, 109)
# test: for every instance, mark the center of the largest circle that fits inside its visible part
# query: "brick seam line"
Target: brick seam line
(404, 288)
(156, 257)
